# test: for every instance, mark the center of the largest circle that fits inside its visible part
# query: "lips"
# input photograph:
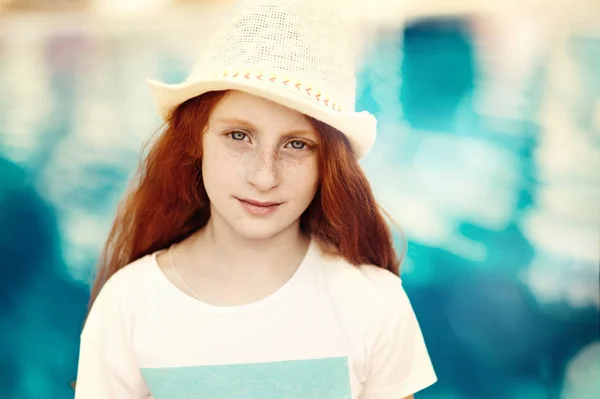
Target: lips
(258, 208)
(258, 203)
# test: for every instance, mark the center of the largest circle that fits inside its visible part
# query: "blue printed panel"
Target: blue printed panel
(294, 379)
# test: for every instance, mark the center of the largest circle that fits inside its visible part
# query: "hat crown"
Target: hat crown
(304, 41)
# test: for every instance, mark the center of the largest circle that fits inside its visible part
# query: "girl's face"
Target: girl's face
(259, 165)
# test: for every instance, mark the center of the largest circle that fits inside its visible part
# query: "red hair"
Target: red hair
(168, 201)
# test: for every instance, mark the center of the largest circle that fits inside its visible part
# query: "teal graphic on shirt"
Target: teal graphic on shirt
(292, 379)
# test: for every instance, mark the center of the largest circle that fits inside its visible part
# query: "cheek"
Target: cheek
(220, 166)
(304, 178)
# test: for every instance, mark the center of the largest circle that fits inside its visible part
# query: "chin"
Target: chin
(259, 229)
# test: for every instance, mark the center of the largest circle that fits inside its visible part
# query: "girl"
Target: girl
(250, 259)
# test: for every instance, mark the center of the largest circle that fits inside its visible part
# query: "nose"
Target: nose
(262, 170)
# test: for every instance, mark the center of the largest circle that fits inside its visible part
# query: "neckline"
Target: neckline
(300, 271)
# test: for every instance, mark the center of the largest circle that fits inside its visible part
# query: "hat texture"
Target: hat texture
(297, 53)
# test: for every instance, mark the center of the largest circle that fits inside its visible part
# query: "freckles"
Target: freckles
(230, 158)
(302, 173)
(292, 161)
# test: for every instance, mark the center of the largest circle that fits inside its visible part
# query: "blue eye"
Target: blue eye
(297, 144)
(238, 136)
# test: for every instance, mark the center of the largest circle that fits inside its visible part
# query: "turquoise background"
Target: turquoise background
(505, 314)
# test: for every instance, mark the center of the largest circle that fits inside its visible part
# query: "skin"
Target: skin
(258, 150)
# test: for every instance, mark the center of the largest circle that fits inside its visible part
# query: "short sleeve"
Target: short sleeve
(107, 366)
(399, 364)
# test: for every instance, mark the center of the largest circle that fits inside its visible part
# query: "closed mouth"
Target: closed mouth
(258, 203)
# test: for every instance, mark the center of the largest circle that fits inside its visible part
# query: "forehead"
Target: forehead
(258, 111)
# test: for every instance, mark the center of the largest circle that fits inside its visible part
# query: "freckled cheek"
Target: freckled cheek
(303, 177)
(226, 160)
(221, 172)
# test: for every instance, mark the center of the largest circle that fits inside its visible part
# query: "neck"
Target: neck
(237, 254)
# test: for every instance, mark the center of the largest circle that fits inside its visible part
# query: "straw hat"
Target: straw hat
(298, 53)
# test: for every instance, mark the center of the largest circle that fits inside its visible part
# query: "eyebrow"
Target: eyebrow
(248, 125)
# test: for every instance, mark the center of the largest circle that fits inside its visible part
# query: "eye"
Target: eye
(237, 135)
(297, 144)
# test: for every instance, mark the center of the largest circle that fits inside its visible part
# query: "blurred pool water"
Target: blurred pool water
(500, 211)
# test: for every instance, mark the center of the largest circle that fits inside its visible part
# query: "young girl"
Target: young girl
(250, 260)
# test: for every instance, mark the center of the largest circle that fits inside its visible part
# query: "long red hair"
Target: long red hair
(168, 201)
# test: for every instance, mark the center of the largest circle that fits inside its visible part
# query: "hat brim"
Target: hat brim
(359, 127)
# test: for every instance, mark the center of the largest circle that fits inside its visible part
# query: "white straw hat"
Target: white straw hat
(298, 53)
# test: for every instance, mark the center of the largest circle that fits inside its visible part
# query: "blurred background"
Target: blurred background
(488, 156)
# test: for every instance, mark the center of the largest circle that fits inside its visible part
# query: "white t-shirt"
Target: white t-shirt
(333, 331)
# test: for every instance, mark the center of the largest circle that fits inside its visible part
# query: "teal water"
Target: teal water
(500, 267)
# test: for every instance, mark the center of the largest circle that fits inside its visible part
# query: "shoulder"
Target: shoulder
(390, 354)
(370, 285)
(365, 297)
(130, 278)
(118, 295)
(373, 309)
